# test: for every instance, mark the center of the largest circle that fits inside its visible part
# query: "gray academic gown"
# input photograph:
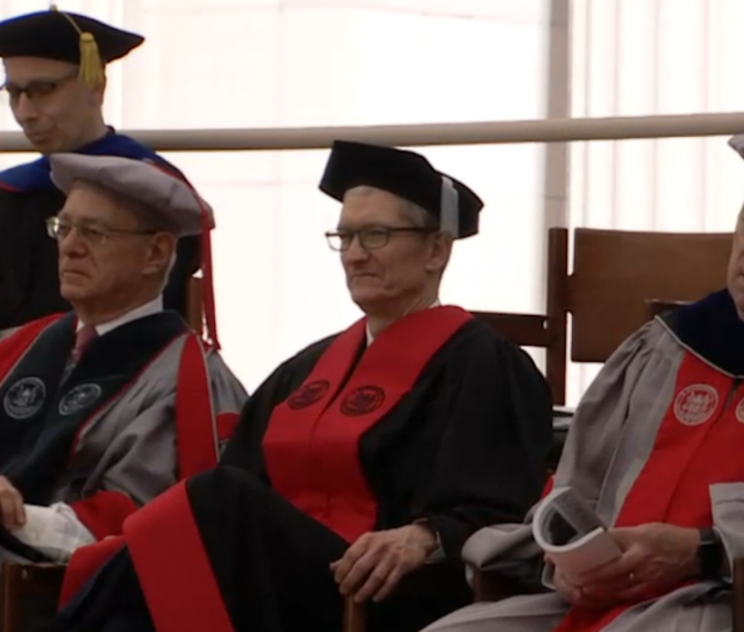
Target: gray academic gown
(611, 439)
(146, 405)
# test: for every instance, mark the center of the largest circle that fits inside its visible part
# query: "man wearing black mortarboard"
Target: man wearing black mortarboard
(55, 81)
(366, 459)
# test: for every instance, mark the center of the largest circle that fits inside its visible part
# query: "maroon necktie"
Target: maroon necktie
(83, 338)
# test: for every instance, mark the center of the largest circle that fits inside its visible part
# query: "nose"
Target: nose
(355, 251)
(25, 110)
(71, 245)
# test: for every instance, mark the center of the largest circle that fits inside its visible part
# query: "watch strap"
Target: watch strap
(710, 554)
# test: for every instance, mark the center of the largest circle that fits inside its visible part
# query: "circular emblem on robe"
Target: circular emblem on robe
(308, 394)
(695, 404)
(362, 400)
(740, 411)
(25, 398)
(78, 398)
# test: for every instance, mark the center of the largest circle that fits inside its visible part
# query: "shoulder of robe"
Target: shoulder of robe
(299, 364)
(479, 342)
(650, 337)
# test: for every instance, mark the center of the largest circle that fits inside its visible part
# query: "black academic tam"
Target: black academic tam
(52, 35)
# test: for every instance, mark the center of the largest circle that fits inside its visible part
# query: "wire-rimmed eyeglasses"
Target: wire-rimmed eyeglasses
(92, 233)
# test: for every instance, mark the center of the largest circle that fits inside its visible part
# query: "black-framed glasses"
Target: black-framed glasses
(37, 89)
(370, 237)
(91, 233)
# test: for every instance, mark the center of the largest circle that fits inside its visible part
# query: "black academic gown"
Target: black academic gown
(464, 448)
(29, 285)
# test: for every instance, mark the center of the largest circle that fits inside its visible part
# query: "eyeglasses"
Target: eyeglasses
(370, 237)
(36, 89)
(93, 234)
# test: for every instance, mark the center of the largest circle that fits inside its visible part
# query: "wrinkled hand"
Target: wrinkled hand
(656, 558)
(376, 562)
(569, 591)
(11, 505)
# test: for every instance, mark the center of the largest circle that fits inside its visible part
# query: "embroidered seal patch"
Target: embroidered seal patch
(695, 404)
(362, 400)
(25, 398)
(740, 411)
(78, 398)
(308, 394)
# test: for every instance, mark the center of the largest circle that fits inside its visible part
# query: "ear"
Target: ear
(96, 94)
(439, 253)
(161, 250)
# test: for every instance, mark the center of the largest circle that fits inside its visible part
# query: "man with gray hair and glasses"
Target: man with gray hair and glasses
(107, 406)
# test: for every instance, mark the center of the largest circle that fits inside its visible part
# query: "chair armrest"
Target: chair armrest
(737, 598)
(354, 620)
(29, 594)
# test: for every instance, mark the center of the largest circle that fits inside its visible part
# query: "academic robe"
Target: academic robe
(658, 437)
(439, 419)
(145, 405)
(29, 284)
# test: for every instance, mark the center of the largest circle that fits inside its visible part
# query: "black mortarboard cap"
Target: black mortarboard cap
(406, 174)
(69, 37)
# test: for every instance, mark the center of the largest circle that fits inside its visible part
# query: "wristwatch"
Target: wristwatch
(437, 555)
(709, 554)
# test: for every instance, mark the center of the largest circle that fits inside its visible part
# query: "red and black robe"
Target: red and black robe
(438, 419)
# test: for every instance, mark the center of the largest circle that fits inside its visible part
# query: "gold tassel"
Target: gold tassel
(91, 66)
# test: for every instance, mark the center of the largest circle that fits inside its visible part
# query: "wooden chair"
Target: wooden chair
(613, 277)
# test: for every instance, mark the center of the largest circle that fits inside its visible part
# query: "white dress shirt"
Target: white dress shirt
(148, 309)
(56, 530)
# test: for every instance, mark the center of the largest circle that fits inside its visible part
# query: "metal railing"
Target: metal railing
(486, 133)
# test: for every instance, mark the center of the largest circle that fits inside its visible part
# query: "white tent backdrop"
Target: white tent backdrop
(255, 63)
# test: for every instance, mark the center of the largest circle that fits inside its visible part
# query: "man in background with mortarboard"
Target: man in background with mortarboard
(55, 81)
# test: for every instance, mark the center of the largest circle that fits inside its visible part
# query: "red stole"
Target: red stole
(698, 445)
(198, 429)
(311, 442)
(14, 346)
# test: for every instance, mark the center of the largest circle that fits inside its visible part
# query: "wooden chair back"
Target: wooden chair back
(616, 273)
(616, 281)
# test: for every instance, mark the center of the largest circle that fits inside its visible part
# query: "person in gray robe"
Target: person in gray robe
(105, 407)
(655, 449)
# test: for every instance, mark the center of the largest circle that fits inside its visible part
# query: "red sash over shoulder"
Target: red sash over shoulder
(198, 432)
(14, 346)
(698, 445)
(311, 443)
